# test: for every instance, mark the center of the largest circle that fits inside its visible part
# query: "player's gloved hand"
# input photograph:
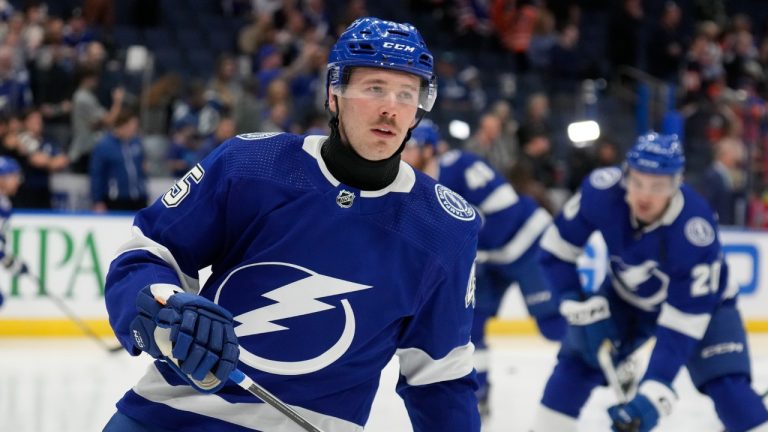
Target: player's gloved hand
(552, 327)
(15, 266)
(589, 325)
(195, 335)
(654, 400)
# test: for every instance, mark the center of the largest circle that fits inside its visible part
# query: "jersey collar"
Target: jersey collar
(404, 182)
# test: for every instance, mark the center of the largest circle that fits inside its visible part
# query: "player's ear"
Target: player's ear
(331, 102)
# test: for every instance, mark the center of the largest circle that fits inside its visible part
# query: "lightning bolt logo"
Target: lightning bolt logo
(292, 300)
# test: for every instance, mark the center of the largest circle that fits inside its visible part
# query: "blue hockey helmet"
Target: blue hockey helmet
(425, 134)
(376, 43)
(657, 154)
(8, 166)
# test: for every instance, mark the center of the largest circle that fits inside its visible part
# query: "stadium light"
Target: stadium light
(458, 129)
(583, 133)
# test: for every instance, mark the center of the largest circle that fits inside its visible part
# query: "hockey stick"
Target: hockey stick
(242, 380)
(62, 305)
(605, 360)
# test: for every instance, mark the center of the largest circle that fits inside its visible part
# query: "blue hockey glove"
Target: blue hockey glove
(641, 414)
(15, 266)
(589, 325)
(194, 335)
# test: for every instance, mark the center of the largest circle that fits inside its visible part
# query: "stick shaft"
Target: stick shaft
(260, 392)
(63, 307)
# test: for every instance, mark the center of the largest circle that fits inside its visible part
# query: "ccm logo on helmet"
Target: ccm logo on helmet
(399, 47)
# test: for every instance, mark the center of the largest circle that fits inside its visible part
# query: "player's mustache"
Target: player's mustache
(387, 121)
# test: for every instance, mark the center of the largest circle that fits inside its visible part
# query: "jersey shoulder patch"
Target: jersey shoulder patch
(257, 135)
(454, 204)
(604, 178)
(699, 232)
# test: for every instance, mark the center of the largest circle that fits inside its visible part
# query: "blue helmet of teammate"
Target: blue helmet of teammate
(8, 166)
(657, 154)
(372, 42)
(425, 134)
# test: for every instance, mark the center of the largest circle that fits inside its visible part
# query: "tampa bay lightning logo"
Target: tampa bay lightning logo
(295, 298)
(454, 204)
(643, 285)
(605, 177)
(699, 232)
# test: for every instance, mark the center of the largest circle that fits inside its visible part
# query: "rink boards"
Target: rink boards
(71, 254)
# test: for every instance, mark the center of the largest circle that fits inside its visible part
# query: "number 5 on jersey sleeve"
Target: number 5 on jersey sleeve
(181, 188)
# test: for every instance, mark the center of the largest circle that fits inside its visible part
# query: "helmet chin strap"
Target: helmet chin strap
(347, 166)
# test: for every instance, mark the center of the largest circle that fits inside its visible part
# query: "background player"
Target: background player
(507, 244)
(10, 180)
(667, 279)
(331, 254)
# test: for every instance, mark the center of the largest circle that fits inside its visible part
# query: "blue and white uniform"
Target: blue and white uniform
(507, 246)
(666, 280)
(325, 282)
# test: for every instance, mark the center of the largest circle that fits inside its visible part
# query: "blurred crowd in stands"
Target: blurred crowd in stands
(122, 91)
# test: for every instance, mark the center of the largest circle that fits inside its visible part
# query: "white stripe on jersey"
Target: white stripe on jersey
(553, 243)
(141, 242)
(693, 325)
(419, 368)
(501, 198)
(257, 416)
(519, 244)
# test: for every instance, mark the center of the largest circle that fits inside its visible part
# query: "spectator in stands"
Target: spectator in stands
(666, 45)
(15, 93)
(723, 182)
(77, 33)
(224, 130)
(544, 37)
(118, 180)
(225, 85)
(89, 118)
(39, 157)
(52, 81)
(486, 143)
(567, 65)
(185, 147)
(536, 154)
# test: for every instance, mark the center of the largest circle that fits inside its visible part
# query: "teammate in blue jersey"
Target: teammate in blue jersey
(507, 243)
(328, 256)
(667, 279)
(10, 180)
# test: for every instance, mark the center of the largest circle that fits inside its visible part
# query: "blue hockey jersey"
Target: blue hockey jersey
(512, 223)
(326, 284)
(671, 274)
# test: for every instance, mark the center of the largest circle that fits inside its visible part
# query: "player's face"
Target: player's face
(9, 184)
(648, 195)
(376, 109)
(417, 157)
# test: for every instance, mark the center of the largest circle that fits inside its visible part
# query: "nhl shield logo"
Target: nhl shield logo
(345, 198)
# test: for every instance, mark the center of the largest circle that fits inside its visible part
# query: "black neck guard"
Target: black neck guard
(352, 169)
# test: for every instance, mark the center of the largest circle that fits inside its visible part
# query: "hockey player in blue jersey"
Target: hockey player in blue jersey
(667, 279)
(10, 180)
(507, 243)
(328, 256)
